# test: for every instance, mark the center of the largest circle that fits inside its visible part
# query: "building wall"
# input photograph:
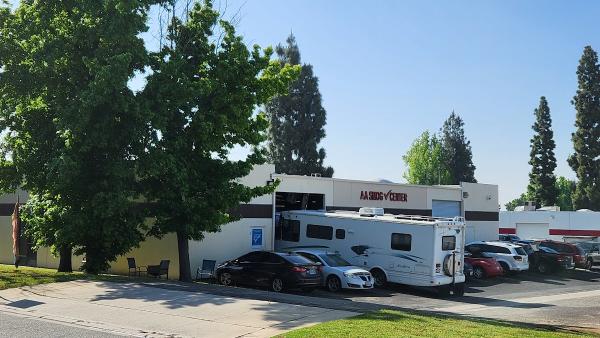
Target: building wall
(559, 224)
(480, 203)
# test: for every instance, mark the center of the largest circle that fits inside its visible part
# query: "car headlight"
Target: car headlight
(348, 274)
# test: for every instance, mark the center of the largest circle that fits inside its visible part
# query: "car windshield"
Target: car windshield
(548, 250)
(520, 251)
(297, 259)
(334, 260)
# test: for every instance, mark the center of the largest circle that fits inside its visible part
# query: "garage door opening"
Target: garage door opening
(298, 201)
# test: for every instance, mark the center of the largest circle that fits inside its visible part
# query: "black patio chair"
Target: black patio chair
(159, 270)
(207, 269)
(134, 269)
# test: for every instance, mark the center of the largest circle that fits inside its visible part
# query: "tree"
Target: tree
(566, 189)
(542, 182)
(519, 201)
(586, 139)
(457, 151)
(425, 162)
(75, 129)
(202, 94)
(297, 121)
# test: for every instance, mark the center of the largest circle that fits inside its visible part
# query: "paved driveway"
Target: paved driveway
(568, 299)
(129, 309)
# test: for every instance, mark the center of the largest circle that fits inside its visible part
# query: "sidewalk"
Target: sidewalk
(133, 309)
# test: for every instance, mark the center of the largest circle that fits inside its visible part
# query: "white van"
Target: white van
(411, 250)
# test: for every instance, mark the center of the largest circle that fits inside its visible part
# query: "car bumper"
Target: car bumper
(521, 267)
(357, 283)
(308, 282)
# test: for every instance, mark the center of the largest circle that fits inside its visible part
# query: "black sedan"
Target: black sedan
(545, 260)
(276, 270)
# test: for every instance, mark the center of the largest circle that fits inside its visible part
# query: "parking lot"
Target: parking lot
(571, 298)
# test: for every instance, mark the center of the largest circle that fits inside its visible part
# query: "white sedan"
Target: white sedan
(337, 272)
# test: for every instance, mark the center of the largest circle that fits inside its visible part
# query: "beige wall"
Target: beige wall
(482, 197)
(151, 252)
(6, 254)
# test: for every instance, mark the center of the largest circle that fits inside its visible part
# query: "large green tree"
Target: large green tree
(586, 139)
(456, 150)
(519, 201)
(203, 92)
(424, 162)
(74, 127)
(297, 121)
(542, 182)
(565, 188)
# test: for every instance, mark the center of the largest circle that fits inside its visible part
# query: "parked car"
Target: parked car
(483, 267)
(338, 273)
(545, 260)
(511, 257)
(278, 271)
(592, 253)
(508, 238)
(572, 250)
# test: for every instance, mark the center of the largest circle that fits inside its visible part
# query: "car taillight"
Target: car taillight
(298, 269)
(518, 258)
(560, 258)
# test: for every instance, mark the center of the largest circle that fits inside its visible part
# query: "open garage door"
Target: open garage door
(532, 230)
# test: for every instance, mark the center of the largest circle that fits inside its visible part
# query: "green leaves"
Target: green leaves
(297, 119)
(542, 182)
(586, 139)
(425, 161)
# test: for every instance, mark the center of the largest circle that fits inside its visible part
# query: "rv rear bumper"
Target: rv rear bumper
(445, 280)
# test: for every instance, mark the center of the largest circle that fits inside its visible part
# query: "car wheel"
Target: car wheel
(277, 284)
(225, 279)
(334, 284)
(542, 268)
(379, 277)
(589, 264)
(505, 268)
(478, 272)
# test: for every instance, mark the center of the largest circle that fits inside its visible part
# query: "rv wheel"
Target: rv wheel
(459, 289)
(443, 290)
(379, 277)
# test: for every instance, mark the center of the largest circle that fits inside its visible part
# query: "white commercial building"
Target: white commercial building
(556, 225)
(478, 203)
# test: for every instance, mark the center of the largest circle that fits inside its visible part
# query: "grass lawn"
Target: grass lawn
(27, 276)
(388, 323)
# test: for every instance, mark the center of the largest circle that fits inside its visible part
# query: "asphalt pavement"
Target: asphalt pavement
(23, 326)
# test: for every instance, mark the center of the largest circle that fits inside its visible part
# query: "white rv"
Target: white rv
(411, 250)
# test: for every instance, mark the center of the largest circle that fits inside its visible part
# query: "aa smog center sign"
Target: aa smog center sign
(384, 196)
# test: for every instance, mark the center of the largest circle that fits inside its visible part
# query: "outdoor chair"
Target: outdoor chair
(159, 270)
(207, 269)
(135, 270)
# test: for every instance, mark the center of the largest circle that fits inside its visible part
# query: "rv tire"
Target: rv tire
(379, 277)
(443, 291)
(459, 289)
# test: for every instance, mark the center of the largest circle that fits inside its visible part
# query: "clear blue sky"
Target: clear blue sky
(390, 69)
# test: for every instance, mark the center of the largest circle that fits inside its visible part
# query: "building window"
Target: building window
(401, 242)
(290, 230)
(319, 231)
(448, 242)
(340, 233)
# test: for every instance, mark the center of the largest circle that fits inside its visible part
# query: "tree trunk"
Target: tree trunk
(65, 264)
(185, 273)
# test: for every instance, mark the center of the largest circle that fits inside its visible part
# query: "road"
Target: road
(568, 299)
(23, 326)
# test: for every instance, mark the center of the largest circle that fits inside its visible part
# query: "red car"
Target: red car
(483, 267)
(568, 249)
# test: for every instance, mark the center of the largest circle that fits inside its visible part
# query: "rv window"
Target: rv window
(340, 233)
(290, 230)
(401, 242)
(448, 242)
(319, 231)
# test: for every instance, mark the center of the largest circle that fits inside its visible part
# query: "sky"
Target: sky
(388, 70)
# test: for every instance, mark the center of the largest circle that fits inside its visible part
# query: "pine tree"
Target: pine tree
(542, 182)
(586, 139)
(297, 121)
(457, 150)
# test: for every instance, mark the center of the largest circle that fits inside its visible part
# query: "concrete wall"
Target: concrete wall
(561, 224)
(151, 252)
(481, 211)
